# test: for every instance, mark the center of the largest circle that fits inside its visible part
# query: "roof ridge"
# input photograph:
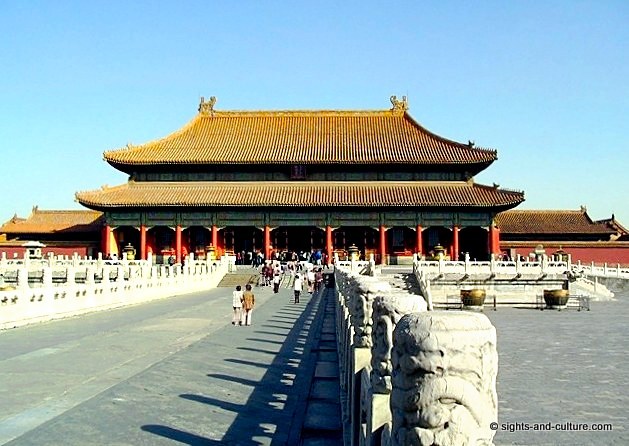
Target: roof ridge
(387, 112)
(63, 211)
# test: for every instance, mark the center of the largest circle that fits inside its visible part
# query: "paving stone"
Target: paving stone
(326, 345)
(323, 416)
(325, 389)
(326, 369)
(330, 440)
(331, 356)
(562, 367)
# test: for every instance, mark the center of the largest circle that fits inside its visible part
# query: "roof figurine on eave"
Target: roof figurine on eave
(322, 137)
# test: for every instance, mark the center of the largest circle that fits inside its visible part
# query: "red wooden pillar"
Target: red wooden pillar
(178, 243)
(214, 236)
(328, 243)
(267, 242)
(383, 245)
(106, 240)
(143, 242)
(420, 242)
(494, 240)
(454, 255)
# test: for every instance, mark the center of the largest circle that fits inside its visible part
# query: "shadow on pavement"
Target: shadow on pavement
(273, 413)
(177, 435)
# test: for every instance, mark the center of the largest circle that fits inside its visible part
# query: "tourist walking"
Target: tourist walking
(318, 279)
(237, 305)
(311, 280)
(297, 287)
(248, 302)
(276, 282)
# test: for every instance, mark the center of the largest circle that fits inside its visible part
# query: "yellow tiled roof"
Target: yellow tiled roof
(44, 222)
(301, 137)
(549, 222)
(299, 193)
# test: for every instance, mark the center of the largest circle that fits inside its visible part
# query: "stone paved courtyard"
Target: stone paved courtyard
(563, 367)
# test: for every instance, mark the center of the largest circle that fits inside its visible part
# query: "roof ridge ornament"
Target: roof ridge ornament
(399, 105)
(207, 107)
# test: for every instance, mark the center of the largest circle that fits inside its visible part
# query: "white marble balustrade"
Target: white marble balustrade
(603, 270)
(44, 289)
(385, 337)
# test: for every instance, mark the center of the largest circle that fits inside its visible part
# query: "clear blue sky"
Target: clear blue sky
(546, 83)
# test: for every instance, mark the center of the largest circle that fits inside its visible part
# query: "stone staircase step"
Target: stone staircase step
(232, 279)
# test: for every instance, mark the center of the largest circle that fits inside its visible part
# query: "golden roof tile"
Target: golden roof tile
(301, 137)
(308, 194)
(47, 221)
(549, 222)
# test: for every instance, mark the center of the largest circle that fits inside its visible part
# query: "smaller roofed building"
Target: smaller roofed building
(525, 232)
(63, 232)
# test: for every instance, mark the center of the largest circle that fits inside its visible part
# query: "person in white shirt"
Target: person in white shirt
(311, 280)
(277, 279)
(297, 287)
(237, 305)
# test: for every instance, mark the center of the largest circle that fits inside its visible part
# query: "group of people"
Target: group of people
(313, 278)
(243, 303)
(257, 258)
(272, 273)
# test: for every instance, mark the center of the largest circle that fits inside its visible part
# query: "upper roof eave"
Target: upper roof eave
(301, 136)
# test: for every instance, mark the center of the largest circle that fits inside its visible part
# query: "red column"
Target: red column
(328, 243)
(106, 242)
(267, 242)
(494, 237)
(143, 242)
(419, 240)
(178, 243)
(215, 236)
(493, 240)
(383, 245)
(455, 243)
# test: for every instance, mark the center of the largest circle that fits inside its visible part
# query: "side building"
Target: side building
(63, 232)
(364, 182)
(527, 232)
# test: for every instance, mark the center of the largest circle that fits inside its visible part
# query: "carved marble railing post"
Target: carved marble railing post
(70, 276)
(424, 288)
(361, 308)
(444, 379)
(345, 284)
(387, 309)
(22, 278)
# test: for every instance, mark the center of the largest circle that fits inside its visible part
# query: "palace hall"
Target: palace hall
(367, 182)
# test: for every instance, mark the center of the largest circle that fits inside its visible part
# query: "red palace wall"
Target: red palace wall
(611, 253)
(18, 251)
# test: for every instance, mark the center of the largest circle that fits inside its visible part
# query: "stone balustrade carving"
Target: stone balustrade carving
(361, 308)
(387, 310)
(444, 379)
